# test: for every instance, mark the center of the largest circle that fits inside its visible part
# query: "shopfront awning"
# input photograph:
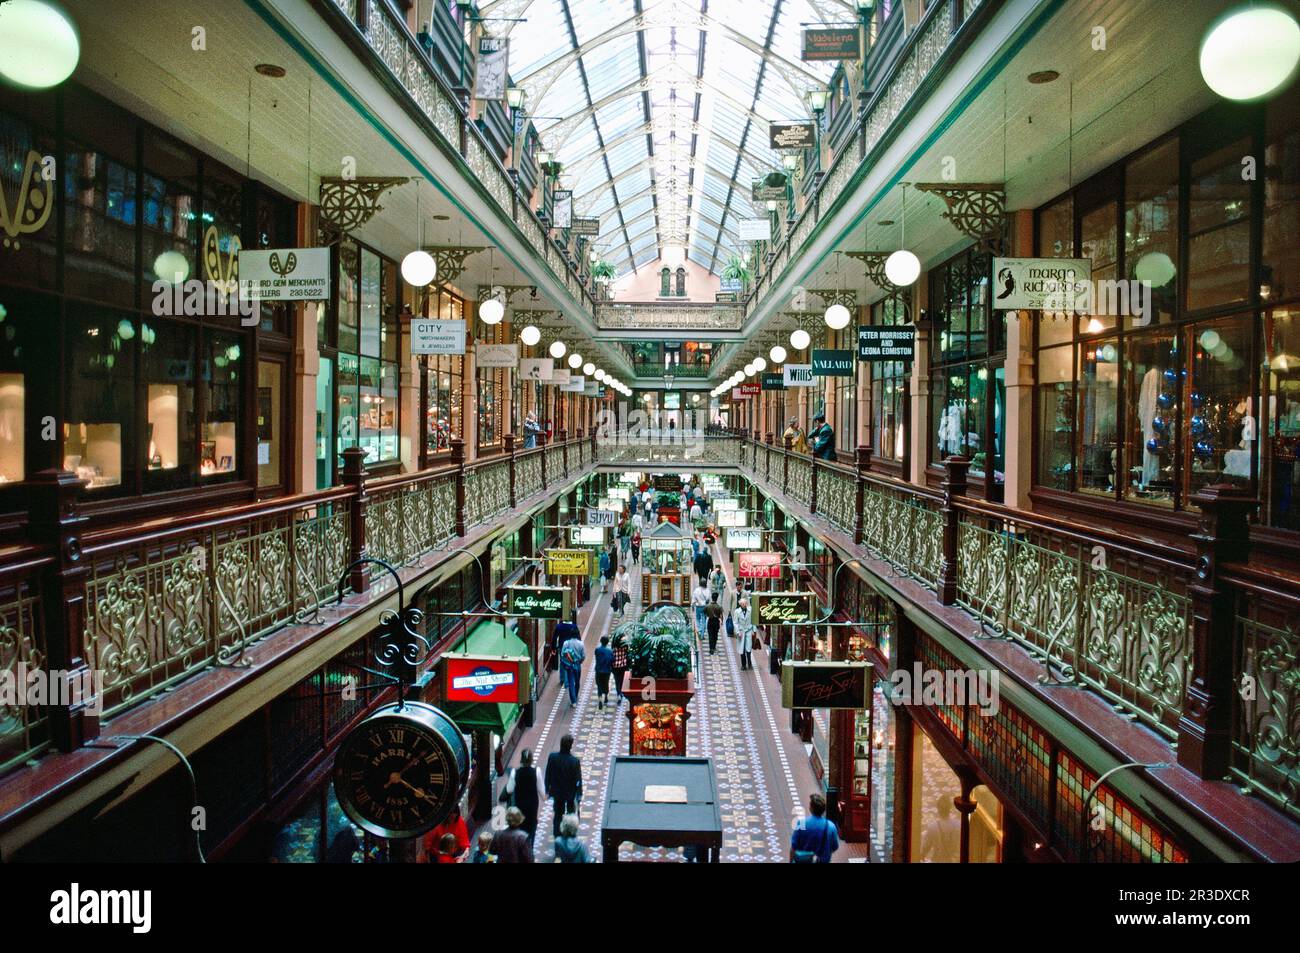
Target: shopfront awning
(488, 638)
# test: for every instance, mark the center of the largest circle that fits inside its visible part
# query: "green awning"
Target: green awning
(488, 638)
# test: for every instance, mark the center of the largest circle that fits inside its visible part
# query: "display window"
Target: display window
(889, 388)
(442, 383)
(936, 823)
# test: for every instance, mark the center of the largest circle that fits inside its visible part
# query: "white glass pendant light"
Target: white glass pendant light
(530, 335)
(171, 266)
(749, 369)
(799, 339)
(39, 47)
(1155, 268)
(575, 360)
(902, 268)
(1251, 52)
(777, 354)
(837, 317)
(419, 268)
(600, 374)
(491, 311)
(558, 349)
(588, 369)
(760, 363)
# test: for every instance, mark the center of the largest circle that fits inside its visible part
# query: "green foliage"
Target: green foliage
(604, 271)
(737, 269)
(668, 498)
(659, 643)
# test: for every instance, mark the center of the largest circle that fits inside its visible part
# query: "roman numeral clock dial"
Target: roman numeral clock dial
(400, 772)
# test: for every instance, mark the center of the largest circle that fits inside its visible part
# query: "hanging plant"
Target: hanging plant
(737, 269)
(604, 271)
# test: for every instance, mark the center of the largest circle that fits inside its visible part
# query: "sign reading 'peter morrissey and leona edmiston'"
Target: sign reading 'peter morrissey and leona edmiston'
(886, 343)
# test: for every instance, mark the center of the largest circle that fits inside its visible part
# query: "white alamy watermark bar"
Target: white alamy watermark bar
(22, 687)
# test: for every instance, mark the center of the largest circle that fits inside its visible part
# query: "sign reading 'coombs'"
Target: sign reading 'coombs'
(758, 565)
(568, 562)
(485, 678)
(538, 602)
(783, 608)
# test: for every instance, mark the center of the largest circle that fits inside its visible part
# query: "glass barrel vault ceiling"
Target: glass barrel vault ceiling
(658, 109)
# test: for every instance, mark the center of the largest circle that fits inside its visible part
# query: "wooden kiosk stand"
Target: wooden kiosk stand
(666, 568)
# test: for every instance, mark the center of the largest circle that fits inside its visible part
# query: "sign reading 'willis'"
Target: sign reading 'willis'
(783, 608)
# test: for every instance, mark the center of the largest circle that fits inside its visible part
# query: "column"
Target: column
(1018, 422)
(469, 401)
(306, 368)
(410, 413)
(918, 438)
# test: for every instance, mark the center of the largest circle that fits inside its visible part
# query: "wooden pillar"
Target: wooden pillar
(864, 464)
(458, 461)
(954, 486)
(54, 519)
(354, 475)
(1222, 536)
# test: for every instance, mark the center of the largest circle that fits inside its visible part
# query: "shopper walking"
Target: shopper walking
(622, 591)
(636, 546)
(718, 584)
(744, 626)
(704, 565)
(713, 621)
(572, 655)
(563, 782)
(619, 667)
(604, 669)
(569, 848)
(521, 792)
(815, 837)
(604, 569)
(511, 846)
(700, 601)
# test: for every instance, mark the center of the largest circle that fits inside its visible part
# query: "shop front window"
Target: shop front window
(936, 823)
(219, 450)
(170, 393)
(99, 411)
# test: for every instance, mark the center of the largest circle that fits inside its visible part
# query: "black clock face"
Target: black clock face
(396, 776)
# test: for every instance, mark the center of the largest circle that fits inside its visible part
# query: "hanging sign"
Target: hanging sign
(770, 188)
(539, 602)
(568, 562)
(832, 363)
(587, 536)
(732, 517)
(750, 388)
(773, 382)
(493, 67)
(622, 493)
(837, 43)
(725, 503)
(1050, 284)
(783, 608)
(597, 517)
(496, 355)
(560, 375)
(754, 230)
(791, 135)
(284, 274)
(562, 208)
(437, 337)
(585, 226)
(576, 384)
(536, 368)
(744, 537)
(797, 375)
(486, 678)
(758, 565)
(883, 343)
(826, 685)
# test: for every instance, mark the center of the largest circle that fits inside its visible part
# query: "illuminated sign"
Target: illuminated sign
(733, 517)
(568, 562)
(607, 517)
(619, 493)
(486, 678)
(826, 685)
(758, 565)
(725, 503)
(740, 538)
(539, 602)
(784, 608)
(587, 536)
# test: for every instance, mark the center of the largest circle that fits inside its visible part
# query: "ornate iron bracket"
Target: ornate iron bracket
(400, 646)
(451, 260)
(348, 204)
(874, 262)
(977, 210)
(484, 291)
(829, 296)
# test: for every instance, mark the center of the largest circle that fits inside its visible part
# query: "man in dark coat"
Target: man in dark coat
(703, 565)
(563, 782)
(511, 845)
(522, 793)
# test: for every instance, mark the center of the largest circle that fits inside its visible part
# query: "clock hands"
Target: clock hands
(396, 778)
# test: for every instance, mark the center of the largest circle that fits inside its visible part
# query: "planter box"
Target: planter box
(657, 724)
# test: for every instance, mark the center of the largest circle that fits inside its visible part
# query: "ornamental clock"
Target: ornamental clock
(399, 773)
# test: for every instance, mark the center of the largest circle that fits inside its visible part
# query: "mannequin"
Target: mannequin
(1146, 413)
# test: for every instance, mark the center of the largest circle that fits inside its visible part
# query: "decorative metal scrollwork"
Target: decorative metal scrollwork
(976, 210)
(349, 203)
(829, 296)
(874, 262)
(400, 645)
(450, 259)
(485, 291)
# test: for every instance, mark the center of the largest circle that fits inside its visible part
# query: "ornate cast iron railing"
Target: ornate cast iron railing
(23, 727)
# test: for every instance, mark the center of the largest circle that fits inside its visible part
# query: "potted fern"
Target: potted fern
(737, 269)
(604, 272)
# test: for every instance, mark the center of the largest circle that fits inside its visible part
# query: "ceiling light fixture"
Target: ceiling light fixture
(902, 268)
(800, 339)
(39, 46)
(589, 368)
(575, 360)
(530, 335)
(419, 268)
(558, 348)
(1251, 52)
(760, 363)
(1044, 76)
(777, 354)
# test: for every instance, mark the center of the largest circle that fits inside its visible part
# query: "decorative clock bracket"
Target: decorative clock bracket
(400, 647)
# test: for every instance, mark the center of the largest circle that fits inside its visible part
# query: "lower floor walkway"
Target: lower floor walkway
(764, 775)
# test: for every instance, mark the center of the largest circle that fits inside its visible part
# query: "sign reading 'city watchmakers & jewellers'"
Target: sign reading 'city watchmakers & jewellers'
(783, 608)
(437, 337)
(1049, 284)
(826, 685)
(828, 363)
(885, 343)
(539, 602)
(284, 274)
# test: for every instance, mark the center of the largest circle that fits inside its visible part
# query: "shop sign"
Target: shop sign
(758, 565)
(725, 503)
(437, 337)
(826, 685)
(791, 135)
(744, 538)
(496, 355)
(632, 478)
(783, 608)
(560, 376)
(284, 274)
(838, 43)
(732, 517)
(585, 226)
(568, 562)
(1050, 284)
(597, 517)
(562, 208)
(773, 382)
(539, 602)
(576, 384)
(832, 363)
(493, 64)
(797, 375)
(770, 188)
(884, 343)
(537, 368)
(754, 229)
(587, 536)
(487, 678)
(750, 388)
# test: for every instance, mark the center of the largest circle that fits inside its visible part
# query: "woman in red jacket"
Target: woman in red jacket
(454, 825)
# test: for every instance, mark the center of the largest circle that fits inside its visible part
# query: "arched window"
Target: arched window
(681, 282)
(665, 282)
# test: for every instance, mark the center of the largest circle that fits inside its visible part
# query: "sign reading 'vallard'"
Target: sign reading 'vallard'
(783, 608)
(538, 602)
(828, 363)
